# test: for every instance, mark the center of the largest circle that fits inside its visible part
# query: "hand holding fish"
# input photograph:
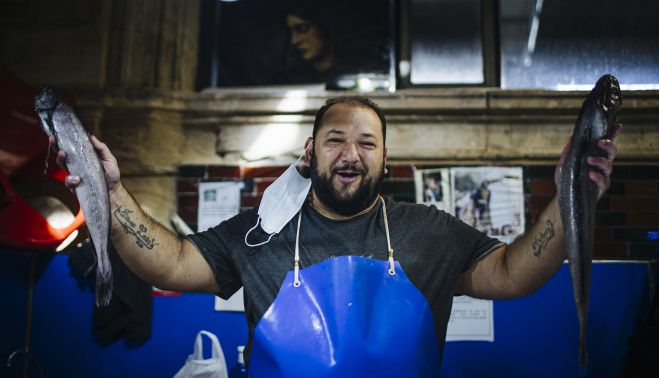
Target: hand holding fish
(136, 236)
(108, 161)
(566, 226)
(582, 178)
(601, 175)
(66, 133)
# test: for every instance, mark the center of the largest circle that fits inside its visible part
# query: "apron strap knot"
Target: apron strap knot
(392, 271)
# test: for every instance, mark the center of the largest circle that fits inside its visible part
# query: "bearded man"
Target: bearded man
(338, 280)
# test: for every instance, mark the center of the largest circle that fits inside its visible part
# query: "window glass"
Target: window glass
(341, 43)
(446, 42)
(568, 45)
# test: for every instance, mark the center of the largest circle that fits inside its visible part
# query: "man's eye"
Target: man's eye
(368, 144)
(334, 140)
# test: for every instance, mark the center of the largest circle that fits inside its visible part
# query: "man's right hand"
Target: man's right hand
(109, 162)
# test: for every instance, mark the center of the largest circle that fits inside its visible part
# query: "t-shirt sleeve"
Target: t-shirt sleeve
(474, 243)
(217, 246)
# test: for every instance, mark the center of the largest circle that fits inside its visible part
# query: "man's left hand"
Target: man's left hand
(601, 176)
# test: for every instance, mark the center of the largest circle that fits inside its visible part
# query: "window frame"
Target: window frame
(490, 47)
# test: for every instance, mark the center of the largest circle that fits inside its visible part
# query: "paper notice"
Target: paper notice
(218, 201)
(235, 303)
(471, 319)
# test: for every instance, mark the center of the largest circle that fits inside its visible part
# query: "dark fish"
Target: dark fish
(577, 194)
(59, 120)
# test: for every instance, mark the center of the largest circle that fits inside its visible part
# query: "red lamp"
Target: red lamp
(36, 209)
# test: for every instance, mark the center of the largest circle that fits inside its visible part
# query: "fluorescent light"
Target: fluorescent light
(65, 243)
(626, 87)
(293, 101)
(287, 118)
(365, 84)
(275, 139)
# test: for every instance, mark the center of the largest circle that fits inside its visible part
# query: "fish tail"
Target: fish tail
(104, 287)
(583, 354)
(583, 370)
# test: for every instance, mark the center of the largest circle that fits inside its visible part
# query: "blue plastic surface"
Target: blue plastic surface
(534, 336)
(62, 341)
(348, 318)
(538, 336)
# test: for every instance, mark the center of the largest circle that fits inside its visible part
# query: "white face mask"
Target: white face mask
(281, 201)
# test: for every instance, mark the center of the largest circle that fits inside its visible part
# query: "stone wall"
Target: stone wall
(101, 43)
(154, 132)
(131, 67)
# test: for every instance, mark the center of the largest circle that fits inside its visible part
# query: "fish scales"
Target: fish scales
(577, 193)
(59, 120)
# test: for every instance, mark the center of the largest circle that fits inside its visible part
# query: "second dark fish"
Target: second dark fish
(577, 193)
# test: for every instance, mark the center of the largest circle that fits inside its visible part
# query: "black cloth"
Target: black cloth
(432, 247)
(129, 312)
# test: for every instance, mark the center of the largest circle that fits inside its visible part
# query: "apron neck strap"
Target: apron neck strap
(296, 281)
(390, 251)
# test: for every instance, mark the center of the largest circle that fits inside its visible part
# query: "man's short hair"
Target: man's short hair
(357, 101)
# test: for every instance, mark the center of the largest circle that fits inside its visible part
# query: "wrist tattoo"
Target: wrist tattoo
(540, 242)
(138, 231)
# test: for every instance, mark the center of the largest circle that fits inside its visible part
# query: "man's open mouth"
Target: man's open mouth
(346, 177)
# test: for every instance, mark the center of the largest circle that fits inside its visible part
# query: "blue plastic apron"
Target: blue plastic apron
(347, 316)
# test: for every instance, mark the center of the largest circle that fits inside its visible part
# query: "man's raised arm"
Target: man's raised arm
(528, 262)
(153, 252)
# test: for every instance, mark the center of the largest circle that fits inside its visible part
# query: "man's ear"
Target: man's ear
(386, 170)
(308, 147)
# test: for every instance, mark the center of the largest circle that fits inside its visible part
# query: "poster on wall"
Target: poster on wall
(432, 187)
(490, 199)
(219, 201)
(471, 319)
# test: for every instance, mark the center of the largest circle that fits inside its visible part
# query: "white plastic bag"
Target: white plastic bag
(198, 367)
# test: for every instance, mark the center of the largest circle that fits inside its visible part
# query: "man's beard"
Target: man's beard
(369, 188)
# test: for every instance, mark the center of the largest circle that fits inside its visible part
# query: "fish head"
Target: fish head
(608, 97)
(45, 104)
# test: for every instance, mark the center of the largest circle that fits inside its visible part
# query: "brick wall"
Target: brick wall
(627, 218)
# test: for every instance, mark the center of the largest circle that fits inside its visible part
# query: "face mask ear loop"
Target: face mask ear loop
(251, 229)
(304, 152)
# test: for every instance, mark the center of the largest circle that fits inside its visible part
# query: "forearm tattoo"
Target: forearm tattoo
(138, 231)
(540, 242)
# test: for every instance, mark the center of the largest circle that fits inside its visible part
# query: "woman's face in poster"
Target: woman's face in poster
(307, 38)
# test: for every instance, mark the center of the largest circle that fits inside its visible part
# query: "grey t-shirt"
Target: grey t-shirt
(432, 247)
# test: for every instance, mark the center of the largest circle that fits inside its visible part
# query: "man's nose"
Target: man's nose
(349, 153)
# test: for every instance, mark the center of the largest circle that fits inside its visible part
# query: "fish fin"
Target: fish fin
(91, 269)
(45, 169)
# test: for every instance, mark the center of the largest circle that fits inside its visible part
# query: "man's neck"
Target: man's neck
(325, 211)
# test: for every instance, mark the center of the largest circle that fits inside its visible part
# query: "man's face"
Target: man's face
(347, 161)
